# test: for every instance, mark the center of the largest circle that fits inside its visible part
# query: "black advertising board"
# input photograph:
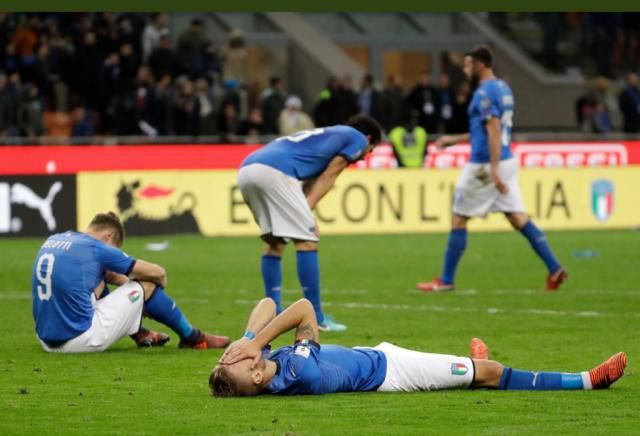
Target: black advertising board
(37, 205)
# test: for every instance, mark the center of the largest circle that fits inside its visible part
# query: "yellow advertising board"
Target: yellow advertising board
(368, 201)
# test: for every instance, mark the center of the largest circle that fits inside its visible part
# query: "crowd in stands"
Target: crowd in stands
(83, 75)
(598, 106)
(87, 74)
(104, 74)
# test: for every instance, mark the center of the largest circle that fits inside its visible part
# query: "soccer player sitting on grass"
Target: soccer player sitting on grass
(247, 368)
(73, 311)
(284, 181)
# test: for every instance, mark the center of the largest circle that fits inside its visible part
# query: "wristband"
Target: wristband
(249, 335)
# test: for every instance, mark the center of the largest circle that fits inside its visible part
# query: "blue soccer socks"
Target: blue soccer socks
(538, 242)
(163, 309)
(455, 248)
(309, 276)
(517, 380)
(272, 279)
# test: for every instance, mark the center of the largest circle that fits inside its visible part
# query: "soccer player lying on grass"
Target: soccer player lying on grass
(73, 311)
(247, 368)
(284, 181)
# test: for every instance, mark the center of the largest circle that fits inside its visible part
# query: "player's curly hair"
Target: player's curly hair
(366, 125)
(483, 54)
(111, 221)
(221, 384)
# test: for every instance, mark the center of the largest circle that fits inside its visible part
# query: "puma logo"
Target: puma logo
(22, 194)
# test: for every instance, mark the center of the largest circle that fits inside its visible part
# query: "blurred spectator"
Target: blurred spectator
(586, 107)
(109, 74)
(253, 125)
(346, 100)
(162, 60)
(370, 101)
(445, 100)
(8, 108)
(127, 34)
(595, 106)
(235, 58)
(271, 102)
(58, 65)
(190, 43)
(459, 122)
(394, 109)
(157, 108)
(229, 122)
(325, 112)
(82, 123)
(25, 37)
(11, 59)
(207, 64)
(423, 100)
(30, 112)
(629, 102)
(86, 71)
(186, 110)
(208, 104)
(152, 33)
(292, 119)
(129, 63)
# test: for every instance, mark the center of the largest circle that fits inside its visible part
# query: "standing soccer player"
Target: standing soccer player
(489, 183)
(284, 181)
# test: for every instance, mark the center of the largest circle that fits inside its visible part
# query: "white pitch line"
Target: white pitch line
(489, 310)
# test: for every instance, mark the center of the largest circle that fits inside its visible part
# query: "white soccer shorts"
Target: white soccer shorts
(411, 371)
(277, 202)
(477, 195)
(115, 316)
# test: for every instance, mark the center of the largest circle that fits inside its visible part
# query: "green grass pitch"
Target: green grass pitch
(368, 283)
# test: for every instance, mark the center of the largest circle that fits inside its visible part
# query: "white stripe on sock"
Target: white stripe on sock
(586, 380)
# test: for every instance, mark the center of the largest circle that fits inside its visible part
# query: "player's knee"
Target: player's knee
(488, 373)
(517, 219)
(459, 222)
(306, 245)
(148, 288)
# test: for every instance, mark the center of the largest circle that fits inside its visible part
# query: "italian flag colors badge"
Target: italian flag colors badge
(459, 369)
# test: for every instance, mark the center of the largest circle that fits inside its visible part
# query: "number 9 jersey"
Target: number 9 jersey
(493, 98)
(68, 268)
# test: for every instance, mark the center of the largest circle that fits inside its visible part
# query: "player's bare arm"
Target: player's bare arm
(449, 140)
(495, 146)
(115, 279)
(326, 180)
(260, 316)
(148, 271)
(307, 186)
(300, 315)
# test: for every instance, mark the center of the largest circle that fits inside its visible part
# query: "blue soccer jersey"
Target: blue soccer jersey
(307, 368)
(306, 154)
(493, 98)
(68, 268)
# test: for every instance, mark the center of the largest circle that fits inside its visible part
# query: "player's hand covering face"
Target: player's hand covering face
(241, 350)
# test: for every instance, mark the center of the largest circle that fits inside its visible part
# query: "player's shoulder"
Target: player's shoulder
(350, 133)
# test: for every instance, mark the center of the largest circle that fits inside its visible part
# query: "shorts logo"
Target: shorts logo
(134, 296)
(602, 199)
(459, 369)
(303, 351)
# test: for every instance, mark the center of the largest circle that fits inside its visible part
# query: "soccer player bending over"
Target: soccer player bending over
(284, 181)
(489, 182)
(248, 368)
(75, 313)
